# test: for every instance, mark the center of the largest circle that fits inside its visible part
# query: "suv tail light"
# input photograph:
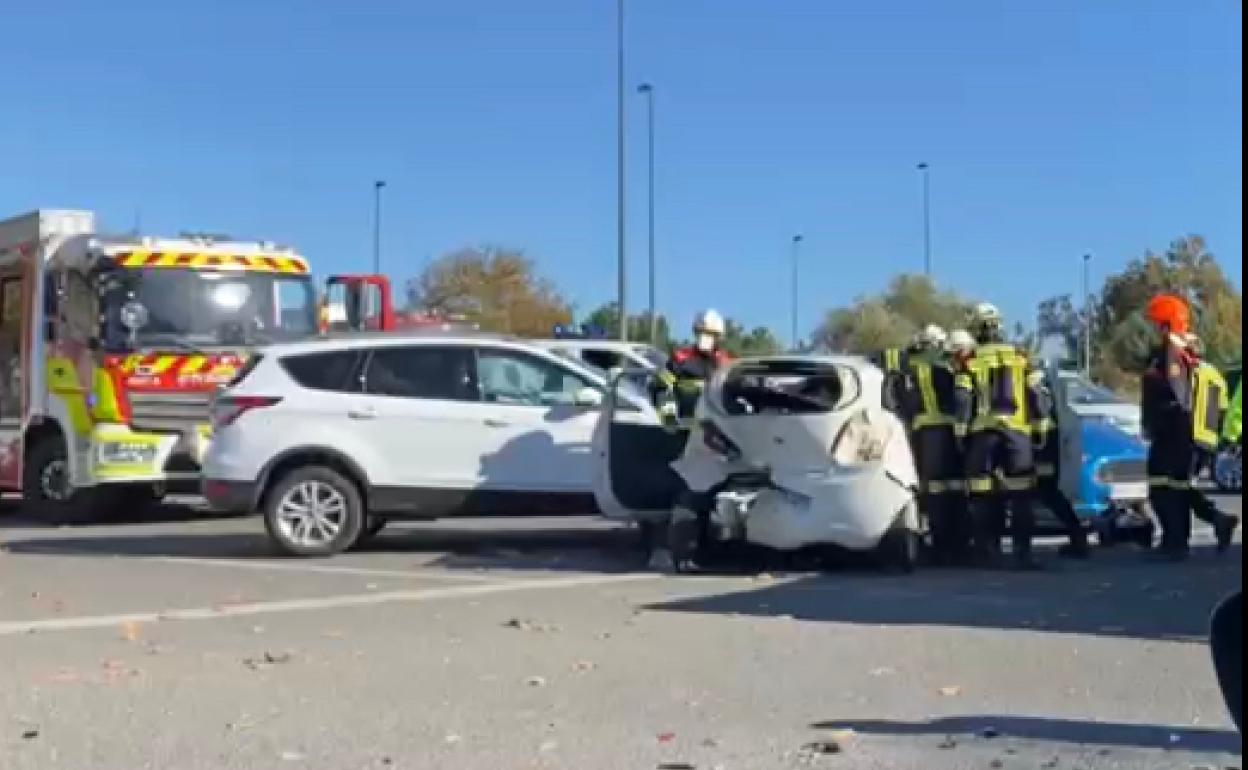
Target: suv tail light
(227, 409)
(716, 441)
(860, 441)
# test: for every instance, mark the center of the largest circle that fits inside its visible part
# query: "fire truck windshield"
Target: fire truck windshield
(205, 308)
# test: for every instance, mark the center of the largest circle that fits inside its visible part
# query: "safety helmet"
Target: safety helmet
(932, 336)
(961, 342)
(709, 322)
(985, 315)
(1171, 312)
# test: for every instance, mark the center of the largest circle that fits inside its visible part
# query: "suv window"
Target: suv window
(316, 371)
(605, 360)
(422, 371)
(511, 377)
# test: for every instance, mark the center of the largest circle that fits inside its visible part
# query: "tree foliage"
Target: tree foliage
(498, 289)
(890, 319)
(607, 319)
(1123, 337)
(759, 341)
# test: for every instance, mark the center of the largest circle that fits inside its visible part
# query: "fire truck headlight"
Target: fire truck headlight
(125, 453)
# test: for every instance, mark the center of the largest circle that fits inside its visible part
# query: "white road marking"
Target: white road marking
(325, 569)
(321, 603)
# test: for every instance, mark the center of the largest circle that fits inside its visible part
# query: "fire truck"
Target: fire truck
(111, 349)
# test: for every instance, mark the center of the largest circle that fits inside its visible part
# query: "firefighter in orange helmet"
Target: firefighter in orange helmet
(1166, 396)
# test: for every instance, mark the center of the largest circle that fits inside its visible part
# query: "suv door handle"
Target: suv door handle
(494, 422)
(367, 413)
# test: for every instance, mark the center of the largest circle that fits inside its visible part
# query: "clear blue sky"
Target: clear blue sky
(1053, 128)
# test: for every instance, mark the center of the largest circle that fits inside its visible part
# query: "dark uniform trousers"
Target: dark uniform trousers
(1170, 486)
(1009, 452)
(943, 494)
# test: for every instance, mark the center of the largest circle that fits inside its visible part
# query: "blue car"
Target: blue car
(1104, 460)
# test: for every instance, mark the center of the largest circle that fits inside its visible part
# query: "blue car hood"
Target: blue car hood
(1103, 439)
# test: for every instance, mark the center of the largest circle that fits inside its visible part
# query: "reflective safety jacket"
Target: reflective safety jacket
(996, 393)
(931, 398)
(683, 378)
(1166, 397)
(1211, 402)
(1233, 427)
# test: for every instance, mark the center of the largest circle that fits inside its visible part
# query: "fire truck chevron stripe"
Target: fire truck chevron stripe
(261, 263)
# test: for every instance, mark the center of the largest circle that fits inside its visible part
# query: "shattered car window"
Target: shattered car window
(788, 387)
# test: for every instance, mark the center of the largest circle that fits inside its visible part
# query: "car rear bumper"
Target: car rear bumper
(229, 496)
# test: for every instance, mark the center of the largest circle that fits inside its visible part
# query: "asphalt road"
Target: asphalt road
(510, 644)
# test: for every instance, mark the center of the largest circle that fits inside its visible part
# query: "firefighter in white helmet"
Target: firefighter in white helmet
(996, 416)
(690, 367)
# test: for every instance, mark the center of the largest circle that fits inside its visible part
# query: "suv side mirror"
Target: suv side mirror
(588, 397)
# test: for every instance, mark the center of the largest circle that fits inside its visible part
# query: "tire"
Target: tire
(1228, 471)
(331, 530)
(47, 494)
(901, 548)
(370, 531)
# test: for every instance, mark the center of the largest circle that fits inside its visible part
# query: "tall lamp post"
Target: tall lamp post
(622, 275)
(647, 90)
(377, 187)
(796, 248)
(1087, 317)
(926, 171)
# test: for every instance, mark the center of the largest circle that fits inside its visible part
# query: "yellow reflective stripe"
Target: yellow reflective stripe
(1044, 426)
(927, 391)
(1019, 484)
(260, 263)
(961, 429)
(1165, 482)
(667, 378)
(892, 359)
(932, 421)
(980, 484)
(936, 487)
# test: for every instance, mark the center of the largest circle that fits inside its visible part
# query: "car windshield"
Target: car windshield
(1080, 392)
(205, 308)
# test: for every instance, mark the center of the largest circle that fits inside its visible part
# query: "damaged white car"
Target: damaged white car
(789, 453)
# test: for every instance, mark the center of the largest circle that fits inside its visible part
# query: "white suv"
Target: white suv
(330, 439)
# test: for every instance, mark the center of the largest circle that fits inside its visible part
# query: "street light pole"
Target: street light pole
(797, 242)
(377, 225)
(1087, 317)
(622, 274)
(927, 219)
(647, 90)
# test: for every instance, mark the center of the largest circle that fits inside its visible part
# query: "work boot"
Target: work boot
(1225, 529)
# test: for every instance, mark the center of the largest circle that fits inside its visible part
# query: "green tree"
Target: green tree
(758, 341)
(607, 318)
(890, 319)
(1122, 335)
(498, 289)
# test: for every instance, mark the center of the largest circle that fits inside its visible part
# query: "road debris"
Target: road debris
(523, 624)
(948, 744)
(30, 733)
(666, 737)
(131, 631)
(821, 748)
(268, 660)
(950, 691)
(536, 681)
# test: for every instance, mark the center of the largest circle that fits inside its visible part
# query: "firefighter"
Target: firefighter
(1211, 402)
(993, 415)
(1166, 394)
(895, 363)
(1233, 425)
(1048, 469)
(688, 368)
(930, 410)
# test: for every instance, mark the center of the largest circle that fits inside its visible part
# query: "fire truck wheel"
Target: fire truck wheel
(313, 511)
(46, 490)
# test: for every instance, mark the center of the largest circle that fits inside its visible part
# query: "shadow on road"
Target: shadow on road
(1107, 734)
(1117, 595)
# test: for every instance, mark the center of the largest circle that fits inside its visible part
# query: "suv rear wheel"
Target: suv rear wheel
(313, 511)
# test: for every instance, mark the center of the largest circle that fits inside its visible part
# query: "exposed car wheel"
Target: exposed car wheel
(901, 548)
(47, 491)
(313, 511)
(370, 531)
(1228, 470)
